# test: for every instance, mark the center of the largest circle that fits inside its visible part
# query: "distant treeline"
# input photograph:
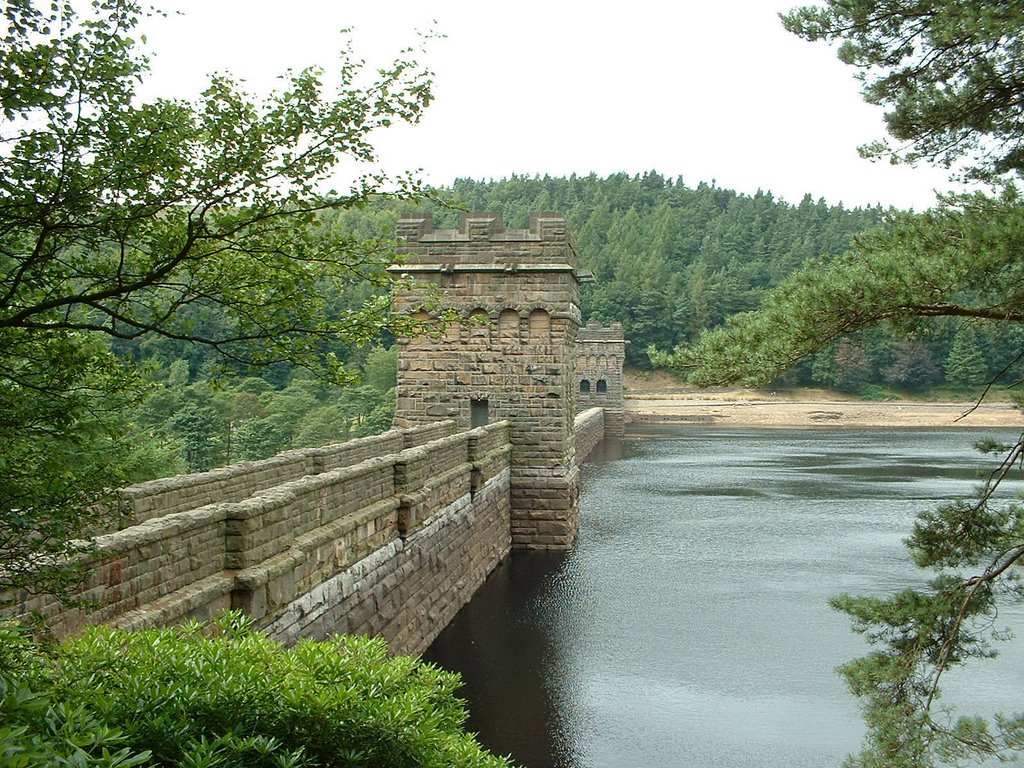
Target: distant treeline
(670, 261)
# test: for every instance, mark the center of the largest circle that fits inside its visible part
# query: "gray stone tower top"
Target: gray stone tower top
(511, 357)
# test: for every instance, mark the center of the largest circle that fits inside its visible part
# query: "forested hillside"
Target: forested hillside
(670, 261)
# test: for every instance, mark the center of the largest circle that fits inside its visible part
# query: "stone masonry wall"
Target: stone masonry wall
(408, 590)
(393, 545)
(590, 430)
(268, 553)
(510, 358)
(451, 529)
(600, 354)
(171, 567)
(239, 481)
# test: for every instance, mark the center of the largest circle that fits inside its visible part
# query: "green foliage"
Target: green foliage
(671, 260)
(380, 371)
(846, 368)
(227, 696)
(212, 422)
(37, 728)
(958, 261)
(177, 225)
(965, 366)
(922, 633)
(948, 72)
(60, 452)
(911, 366)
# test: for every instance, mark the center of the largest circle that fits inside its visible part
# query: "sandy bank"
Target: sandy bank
(744, 408)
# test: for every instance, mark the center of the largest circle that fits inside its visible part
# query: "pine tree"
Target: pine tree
(965, 366)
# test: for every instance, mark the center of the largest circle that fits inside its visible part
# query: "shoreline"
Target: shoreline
(747, 409)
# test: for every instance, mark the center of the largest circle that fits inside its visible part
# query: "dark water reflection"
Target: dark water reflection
(690, 625)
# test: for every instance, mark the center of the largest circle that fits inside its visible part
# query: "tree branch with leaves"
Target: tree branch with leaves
(200, 221)
(950, 75)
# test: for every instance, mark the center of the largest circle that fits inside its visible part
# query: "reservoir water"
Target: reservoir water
(690, 626)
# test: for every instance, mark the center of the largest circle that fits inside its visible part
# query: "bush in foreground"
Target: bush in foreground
(228, 697)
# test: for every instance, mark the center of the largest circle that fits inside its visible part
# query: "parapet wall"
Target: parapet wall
(482, 241)
(590, 430)
(239, 481)
(392, 545)
(395, 543)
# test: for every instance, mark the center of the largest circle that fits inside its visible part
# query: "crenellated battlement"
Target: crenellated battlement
(596, 333)
(481, 243)
(478, 226)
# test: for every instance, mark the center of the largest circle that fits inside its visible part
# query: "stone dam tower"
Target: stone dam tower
(600, 354)
(510, 356)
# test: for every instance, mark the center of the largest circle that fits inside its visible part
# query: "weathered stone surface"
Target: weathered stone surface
(417, 584)
(392, 534)
(319, 554)
(600, 354)
(590, 428)
(512, 356)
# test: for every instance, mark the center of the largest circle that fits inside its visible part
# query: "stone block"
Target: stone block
(281, 590)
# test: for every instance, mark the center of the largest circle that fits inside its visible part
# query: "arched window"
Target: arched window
(585, 386)
(540, 326)
(508, 325)
(419, 317)
(479, 324)
(602, 386)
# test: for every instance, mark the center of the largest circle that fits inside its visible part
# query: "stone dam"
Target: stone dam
(391, 535)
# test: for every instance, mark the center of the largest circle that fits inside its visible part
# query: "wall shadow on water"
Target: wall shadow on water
(503, 655)
(507, 645)
(609, 449)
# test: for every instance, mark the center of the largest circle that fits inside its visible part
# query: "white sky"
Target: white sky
(703, 89)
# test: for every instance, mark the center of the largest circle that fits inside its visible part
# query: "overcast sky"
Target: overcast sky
(703, 90)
